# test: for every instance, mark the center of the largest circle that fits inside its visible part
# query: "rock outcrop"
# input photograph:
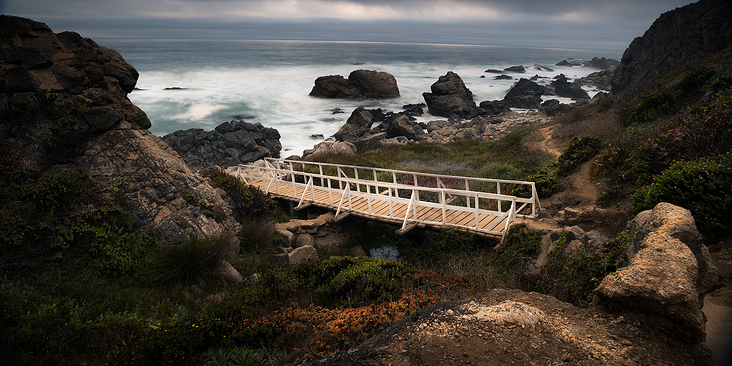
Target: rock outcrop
(679, 36)
(231, 143)
(563, 88)
(65, 107)
(451, 98)
(525, 94)
(360, 84)
(670, 270)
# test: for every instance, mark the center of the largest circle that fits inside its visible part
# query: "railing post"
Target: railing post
(498, 190)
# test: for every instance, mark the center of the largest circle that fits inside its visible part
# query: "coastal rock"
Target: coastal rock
(601, 63)
(403, 125)
(563, 88)
(76, 115)
(601, 80)
(553, 108)
(567, 63)
(668, 275)
(330, 148)
(360, 84)
(493, 107)
(679, 36)
(451, 98)
(518, 69)
(525, 94)
(357, 125)
(229, 144)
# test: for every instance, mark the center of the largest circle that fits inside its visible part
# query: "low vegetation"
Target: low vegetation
(81, 285)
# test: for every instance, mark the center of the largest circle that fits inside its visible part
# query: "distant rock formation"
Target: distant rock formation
(679, 36)
(563, 88)
(360, 84)
(231, 143)
(64, 106)
(451, 98)
(525, 94)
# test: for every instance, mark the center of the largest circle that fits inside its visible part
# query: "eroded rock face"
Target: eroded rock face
(679, 36)
(360, 84)
(64, 106)
(669, 272)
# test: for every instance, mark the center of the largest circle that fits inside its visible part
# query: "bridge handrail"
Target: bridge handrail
(533, 200)
(401, 186)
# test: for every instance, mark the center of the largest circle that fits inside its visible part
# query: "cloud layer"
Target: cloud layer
(608, 23)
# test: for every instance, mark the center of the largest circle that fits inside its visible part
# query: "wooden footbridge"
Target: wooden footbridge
(409, 199)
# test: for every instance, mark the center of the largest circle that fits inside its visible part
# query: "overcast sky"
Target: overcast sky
(592, 24)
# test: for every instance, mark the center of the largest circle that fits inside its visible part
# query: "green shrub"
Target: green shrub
(521, 245)
(702, 186)
(249, 201)
(572, 275)
(258, 233)
(107, 237)
(577, 152)
(242, 356)
(192, 260)
(608, 196)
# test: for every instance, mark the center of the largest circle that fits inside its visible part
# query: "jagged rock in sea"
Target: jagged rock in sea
(65, 107)
(360, 84)
(601, 80)
(669, 272)
(563, 88)
(568, 63)
(601, 63)
(451, 98)
(231, 143)
(518, 69)
(679, 36)
(525, 94)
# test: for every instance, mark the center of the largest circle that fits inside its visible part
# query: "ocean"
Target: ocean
(202, 83)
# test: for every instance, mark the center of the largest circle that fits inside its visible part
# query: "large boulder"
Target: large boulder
(402, 125)
(357, 126)
(64, 104)
(563, 88)
(679, 36)
(231, 143)
(451, 98)
(525, 94)
(669, 272)
(360, 84)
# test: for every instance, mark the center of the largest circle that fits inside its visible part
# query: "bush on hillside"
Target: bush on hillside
(249, 201)
(573, 274)
(702, 186)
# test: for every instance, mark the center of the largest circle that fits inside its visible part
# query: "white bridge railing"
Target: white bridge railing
(407, 198)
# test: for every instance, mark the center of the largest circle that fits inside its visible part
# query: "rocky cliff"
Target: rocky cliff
(64, 106)
(679, 36)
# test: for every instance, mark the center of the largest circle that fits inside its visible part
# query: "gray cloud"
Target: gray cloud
(603, 24)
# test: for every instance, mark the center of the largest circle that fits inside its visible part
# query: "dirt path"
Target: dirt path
(719, 326)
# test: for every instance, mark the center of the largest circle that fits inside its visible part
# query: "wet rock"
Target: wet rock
(451, 98)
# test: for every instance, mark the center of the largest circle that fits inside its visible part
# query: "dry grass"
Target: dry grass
(587, 121)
